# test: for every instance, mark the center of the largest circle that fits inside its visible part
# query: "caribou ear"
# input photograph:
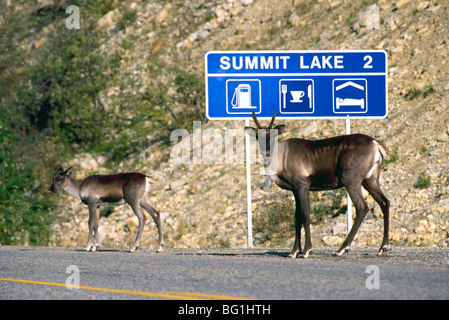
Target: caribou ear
(68, 172)
(251, 131)
(280, 128)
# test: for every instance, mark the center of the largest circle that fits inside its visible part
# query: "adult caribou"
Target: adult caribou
(116, 189)
(300, 165)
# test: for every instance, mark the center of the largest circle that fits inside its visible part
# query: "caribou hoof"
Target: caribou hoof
(305, 254)
(92, 247)
(383, 249)
(341, 252)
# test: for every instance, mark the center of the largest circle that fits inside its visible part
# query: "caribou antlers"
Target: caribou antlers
(258, 124)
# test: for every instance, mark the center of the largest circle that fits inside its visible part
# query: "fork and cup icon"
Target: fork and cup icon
(297, 95)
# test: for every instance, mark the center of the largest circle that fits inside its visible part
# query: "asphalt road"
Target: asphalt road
(42, 273)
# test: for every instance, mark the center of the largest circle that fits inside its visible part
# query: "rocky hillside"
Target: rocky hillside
(204, 205)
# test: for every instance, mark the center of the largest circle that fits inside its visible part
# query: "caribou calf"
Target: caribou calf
(349, 161)
(117, 189)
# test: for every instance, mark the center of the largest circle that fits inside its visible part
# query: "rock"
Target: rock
(423, 5)
(444, 137)
(443, 209)
(398, 49)
(428, 239)
(45, 3)
(309, 130)
(133, 222)
(435, 9)
(107, 20)
(221, 14)
(202, 35)
(246, 2)
(237, 8)
(370, 18)
(334, 3)
(163, 14)
(177, 183)
(39, 42)
(332, 240)
(294, 20)
(401, 3)
(341, 228)
(157, 45)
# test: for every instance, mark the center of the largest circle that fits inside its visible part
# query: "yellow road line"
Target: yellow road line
(209, 296)
(166, 295)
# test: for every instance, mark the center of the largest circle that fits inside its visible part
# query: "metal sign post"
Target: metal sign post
(248, 187)
(349, 217)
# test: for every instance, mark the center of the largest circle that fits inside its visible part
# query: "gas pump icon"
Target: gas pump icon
(243, 96)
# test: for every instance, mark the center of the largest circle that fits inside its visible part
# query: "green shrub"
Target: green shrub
(412, 94)
(49, 99)
(128, 18)
(24, 217)
(52, 106)
(394, 156)
(63, 94)
(191, 93)
(423, 181)
(429, 90)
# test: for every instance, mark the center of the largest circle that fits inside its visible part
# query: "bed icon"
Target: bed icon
(350, 95)
(339, 102)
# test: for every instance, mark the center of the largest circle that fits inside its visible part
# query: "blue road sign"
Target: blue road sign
(297, 84)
